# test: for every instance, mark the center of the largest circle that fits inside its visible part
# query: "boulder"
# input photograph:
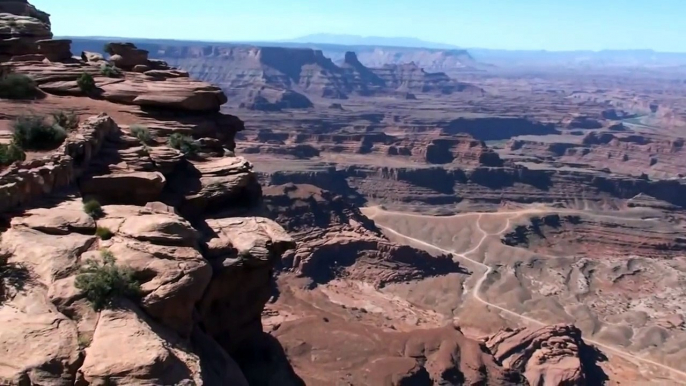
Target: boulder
(49, 256)
(548, 356)
(136, 188)
(92, 57)
(220, 183)
(55, 50)
(130, 349)
(140, 68)
(161, 248)
(165, 158)
(167, 74)
(56, 221)
(38, 345)
(126, 55)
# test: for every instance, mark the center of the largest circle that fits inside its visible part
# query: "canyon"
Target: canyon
(340, 215)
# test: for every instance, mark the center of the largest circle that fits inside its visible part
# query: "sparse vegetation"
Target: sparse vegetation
(104, 233)
(84, 341)
(103, 281)
(34, 132)
(68, 120)
(10, 154)
(110, 71)
(142, 133)
(93, 209)
(183, 143)
(17, 86)
(86, 83)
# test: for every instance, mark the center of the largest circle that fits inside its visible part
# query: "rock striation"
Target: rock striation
(19, 33)
(196, 275)
(269, 78)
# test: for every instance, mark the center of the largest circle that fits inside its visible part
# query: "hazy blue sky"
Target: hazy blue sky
(509, 24)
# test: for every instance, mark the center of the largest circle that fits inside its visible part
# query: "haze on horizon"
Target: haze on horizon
(554, 25)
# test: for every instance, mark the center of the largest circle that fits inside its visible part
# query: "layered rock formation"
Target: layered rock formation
(370, 56)
(21, 27)
(272, 78)
(336, 241)
(195, 276)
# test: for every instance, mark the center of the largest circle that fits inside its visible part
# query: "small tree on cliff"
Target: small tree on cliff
(86, 83)
(103, 281)
(183, 143)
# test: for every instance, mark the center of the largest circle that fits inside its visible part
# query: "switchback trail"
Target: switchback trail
(488, 270)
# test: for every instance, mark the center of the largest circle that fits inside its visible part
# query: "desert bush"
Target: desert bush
(142, 133)
(93, 209)
(183, 143)
(103, 281)
(110, 71)
(84, 341)
(11, 153)
(104, 233)
(17, 86)
(66, 119)
(34, 132)
(86, 82)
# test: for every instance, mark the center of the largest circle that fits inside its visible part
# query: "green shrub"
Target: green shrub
(93, 209)
(10, 154)
(103, 281)
(110, 71)
(66, 119)
(183, 143)
(33, 132)
(142, 133)
(84, 341)
(17, 86)
(86, 83)
(104, 233)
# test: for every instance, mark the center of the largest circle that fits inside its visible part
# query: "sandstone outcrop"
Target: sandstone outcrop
(335, 240)
(126, 56)
(55, 50)
(161, 89)
(177, 280)
(19, 34)
(195, 277)
(553, 355)
(22, 183)
(274, 78)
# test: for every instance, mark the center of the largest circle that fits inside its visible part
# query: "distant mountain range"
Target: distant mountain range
(356, 40)
(378, 51)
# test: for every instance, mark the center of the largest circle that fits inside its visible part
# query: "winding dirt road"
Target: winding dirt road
(488, 270)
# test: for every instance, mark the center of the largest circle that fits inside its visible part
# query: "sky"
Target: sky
(556, 25)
